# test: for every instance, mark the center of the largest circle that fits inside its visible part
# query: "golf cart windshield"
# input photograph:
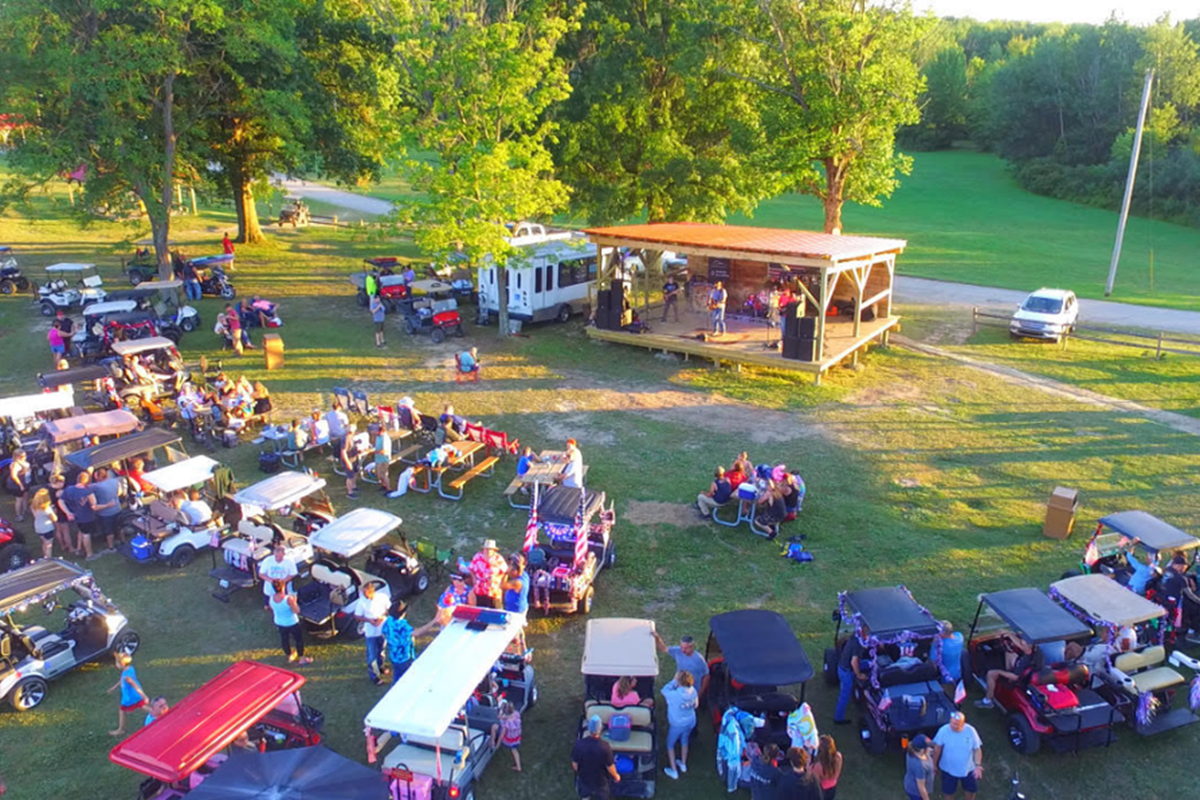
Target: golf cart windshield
(1102, 598)
(206, 721)
(135, 444)
(889, 611)
(759, 648)
(1155, 535)
(30, 405)
(279, 491)
(1033, 616)
(104, 423)
(434, 690)
(619, 646)
(349, 535)
(181, 475)
(38, 582)
(1040, 304)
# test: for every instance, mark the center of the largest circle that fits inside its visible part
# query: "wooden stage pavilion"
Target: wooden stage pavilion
(852, 275)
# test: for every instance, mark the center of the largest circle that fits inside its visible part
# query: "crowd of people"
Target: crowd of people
(767, 496)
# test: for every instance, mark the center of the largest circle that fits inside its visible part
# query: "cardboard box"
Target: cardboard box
(1060, 513)
(273, 350)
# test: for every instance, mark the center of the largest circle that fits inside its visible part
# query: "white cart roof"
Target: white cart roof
(27, 405)
(1103, 598)
(171, 284)
(69, 267)
(109, 307)
(135, 346)
(436, 687)
(277, 491)
(349, 535)
(181, 475)
(619, 646)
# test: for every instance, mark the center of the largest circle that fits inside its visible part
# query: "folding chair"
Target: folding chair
(475, 432)
(498, 444)
(343, 397)
(437, 561)
(359, 402)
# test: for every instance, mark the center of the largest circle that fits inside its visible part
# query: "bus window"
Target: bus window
(591, 267)
(549, 278)
(537, 280)
(518, 279)
(564, 275)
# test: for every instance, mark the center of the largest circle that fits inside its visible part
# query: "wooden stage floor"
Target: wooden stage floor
(746, 340)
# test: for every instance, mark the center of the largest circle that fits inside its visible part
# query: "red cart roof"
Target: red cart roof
(206, 721)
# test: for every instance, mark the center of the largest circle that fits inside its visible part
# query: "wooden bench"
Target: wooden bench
(484, 468)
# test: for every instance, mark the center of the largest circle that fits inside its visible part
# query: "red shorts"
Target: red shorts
(134, 707)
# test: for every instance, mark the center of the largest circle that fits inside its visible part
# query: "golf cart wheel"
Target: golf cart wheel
(829, 667)
(355, 630)
(128, 642)
(228, 292)
(533, 696)
(610, 558)
(1021, 735)
(48, 309)
(183, 555)
(459, 332)
(188, 324)
(409, 327)
(589, 597)
(136, 277)
(421, 583)
(873, 739)
(6, 287)
(468, 792)
(13, 556)
(564, 314)
(173, 334)
(23, 284)
(29, 693)
(362, 298)
(437, 335)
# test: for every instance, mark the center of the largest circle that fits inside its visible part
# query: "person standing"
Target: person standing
(592, 761)
(276, 568)
(44, 519)
(286, 614)
(509, 733)
(337, 420)
(62, 525)
(378, 316)
(382, 448)
(686, 659)
(681, 701)
(400, 637)
(17, 482)
(226, 244)
(66, 329)
(763, 774)
(456, 594)
(827, 767)
(191, 281)
(952, 650)
(238, 336)
(58, 348)
(106, 486)
(132, 696)
(716, 303)
(572, 471)
(79, 502)
(958, 756)
(488, 569)
(918, 769)
(670, 298)
(349, 456)
(372, 611)
(796, 781)
(848, 672)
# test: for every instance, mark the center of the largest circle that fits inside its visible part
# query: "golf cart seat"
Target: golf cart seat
(417, 753)
(1140, 666)
(896, 674)
(641, 737)
(337, 581)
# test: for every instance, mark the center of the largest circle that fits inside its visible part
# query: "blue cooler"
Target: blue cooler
(624, 764)
(746, 491)
(141, 548)
(619, 727)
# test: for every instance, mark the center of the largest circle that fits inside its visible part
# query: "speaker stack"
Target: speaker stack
(610, 307)
(799, 335)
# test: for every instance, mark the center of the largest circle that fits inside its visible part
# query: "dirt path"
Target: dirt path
(327, 194)
(1178, 422)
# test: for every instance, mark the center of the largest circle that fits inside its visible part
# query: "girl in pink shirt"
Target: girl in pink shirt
(623, 694)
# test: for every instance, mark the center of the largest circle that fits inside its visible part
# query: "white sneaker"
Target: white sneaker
(670, 773)
(682, 766)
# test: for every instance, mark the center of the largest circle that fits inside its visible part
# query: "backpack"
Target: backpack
(229, 438)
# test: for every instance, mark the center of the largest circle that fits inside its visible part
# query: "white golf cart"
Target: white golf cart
(69, 286)
(327, 600)
(299, 495)
(159, 374)
(444, 708)
(152, 537)
(21, 416)
(30, 655)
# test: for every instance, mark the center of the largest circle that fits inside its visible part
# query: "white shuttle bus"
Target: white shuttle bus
(548, 279)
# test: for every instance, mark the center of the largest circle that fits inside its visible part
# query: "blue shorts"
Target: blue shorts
(58, 349)
(950, 783)
(678, 734)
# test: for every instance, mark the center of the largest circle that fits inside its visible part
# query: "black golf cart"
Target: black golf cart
(157, 447)
(903, 695)
(11, 278)
(1105, 554)
(430, 309)
(561, 570)
(93, 385)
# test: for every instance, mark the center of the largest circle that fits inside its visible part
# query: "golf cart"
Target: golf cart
(400, 566)
(1139, 681)
(155, 446)
(13, 552)
(430, 308)
(30, 655)
(443, 709)
(751, 655)
(1105, 554)
(1054, 700)
(327, 600)
(96, 384)
(11, 278)
(210, 273)
(150, 369)
(21, 416)
(69, 286)
(142, 267)
(152, 538)
(166, 299)
(392, 287)
(903, 695)
(185, 745)
(299, 495)
(579, 530)
(294, 213)
(614, 648)
(63, 436)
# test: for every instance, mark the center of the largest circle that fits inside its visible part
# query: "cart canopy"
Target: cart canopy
(73, 375)
(109, 307)
(104, 423)
(69, 267)
(302, 773)
(280, 490)
(206, 721)
(431, 287)
(760, 648)
(181, 475)
(158, 286)
(1102, 598)
(1155, 534)
(30, 405)
(1035, 616)
(620, 646)
(212, 261)
(31, 583)
(135, 444)
(559, 504)
(349, 535)
(437, 686)
(891, 610)
(135, 346)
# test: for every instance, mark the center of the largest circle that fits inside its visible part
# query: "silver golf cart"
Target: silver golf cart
(155, 536)
(67, 286)
(21, 417)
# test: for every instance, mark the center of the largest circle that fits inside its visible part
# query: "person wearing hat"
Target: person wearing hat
(489, 569)
(1174, 581)
(918, 769)
(592, 760)
(372, 610)
(399, 634)
(456, 594)
(958, 756)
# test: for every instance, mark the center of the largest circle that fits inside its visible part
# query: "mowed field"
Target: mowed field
(919, 471)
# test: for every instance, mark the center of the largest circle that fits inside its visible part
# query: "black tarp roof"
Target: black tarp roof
(89, 372)
(118, 449)
(558, 504)
(760, 648)
(1155, 534)
(1035, 616)
(44, 575)
(889, 610)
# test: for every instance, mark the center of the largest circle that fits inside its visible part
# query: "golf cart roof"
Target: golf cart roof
(349, 535)
(207, 261)
(155, 286)
(436, 687)
(27, 405)
(619, 646)
(102, 455)
(69, 267)
(1155, 534)
(135, 346)
(103, 423)
(72, 375)
(383, 261)
(1035, 616)
(1102, 598)
(206, 721)
(559, 504)
(181, 474)
(33, 583)
(760, 648)
(109, 307)
(890, 610)
(431, 287)
(279, 490)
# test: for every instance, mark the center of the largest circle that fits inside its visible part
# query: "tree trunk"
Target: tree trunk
(249, 231)
(160, 231)
(835, 185)
(502, 298)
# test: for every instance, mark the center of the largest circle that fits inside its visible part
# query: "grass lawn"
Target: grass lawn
(918, 470)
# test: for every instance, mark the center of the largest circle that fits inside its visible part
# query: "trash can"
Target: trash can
(1060, 513)
(273, 350)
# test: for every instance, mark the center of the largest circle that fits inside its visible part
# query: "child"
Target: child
(44, 520)
(132, 696)
(508, 732)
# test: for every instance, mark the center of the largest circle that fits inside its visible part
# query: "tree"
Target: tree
(946, 100)
(835, 79)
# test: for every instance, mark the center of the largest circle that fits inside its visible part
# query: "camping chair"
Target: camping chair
(343, 397)
(359, 402)
(498, 444)
(437, 561)
(460, 374)
(474, 431)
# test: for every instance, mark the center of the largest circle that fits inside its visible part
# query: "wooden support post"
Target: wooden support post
(335, 221)
(179, 195)
(1158, 350)
(192, 196)
(817, 378)
(71, 193)
(974, 320)
(822, 307)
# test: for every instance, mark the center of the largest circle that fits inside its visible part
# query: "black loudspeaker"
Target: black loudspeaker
(603, 303)
(807, 327)
(791, 328)
(616, 308)
(800, 349)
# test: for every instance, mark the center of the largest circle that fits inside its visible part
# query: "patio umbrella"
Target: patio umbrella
(307, 773)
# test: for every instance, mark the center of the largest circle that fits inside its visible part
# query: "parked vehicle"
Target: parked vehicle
(150, 538)
(21, 417)
(180, 749)
(142, 267)
(563, 569)
(117, 321)
(443, 708)
(431, 309)
(150, 369)
(1104, 553)
(294, 213)
(210, 272)
(59, 437)
(166, 299)
(30, 655)
(399, 565)
(14, 552)
(155, 446)
(614, 648)
(549, 278)
(69, 286)
(11, 278)
(1045, 314)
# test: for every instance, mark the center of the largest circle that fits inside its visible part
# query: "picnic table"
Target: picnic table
(464, 459)
(545, 471)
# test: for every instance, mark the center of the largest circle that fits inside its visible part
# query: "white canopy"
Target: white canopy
(69, 267)
(27, 405)
(171, 284)
(277, 491)
(437, 686)
(182, 474)
(1103, 598)
(619, 646)
(349, 535)
(109, 307)
(135, 346)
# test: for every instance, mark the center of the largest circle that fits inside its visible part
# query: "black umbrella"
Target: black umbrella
(306, 773)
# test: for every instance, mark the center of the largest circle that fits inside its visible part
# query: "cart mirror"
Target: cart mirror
(836, 616)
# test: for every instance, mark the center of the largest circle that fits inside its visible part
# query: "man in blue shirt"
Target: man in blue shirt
(952, 649)
(399, 634)
(1143, 573)
(516, 586)
(686, 658)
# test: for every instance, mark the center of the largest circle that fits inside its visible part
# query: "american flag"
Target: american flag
(531, 528)
(960, 693)
(1092, 554)
(581, 537)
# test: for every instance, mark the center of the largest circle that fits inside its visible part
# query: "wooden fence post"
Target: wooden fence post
(335, 221)
(974, 320)
(1158, 350)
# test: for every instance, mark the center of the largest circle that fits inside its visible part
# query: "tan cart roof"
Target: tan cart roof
(1105, 599)
(619, 646)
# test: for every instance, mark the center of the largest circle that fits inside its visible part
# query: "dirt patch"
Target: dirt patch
(901, 391)
(578, 426)
(680, 515)
(667, 596)
(908, 483)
